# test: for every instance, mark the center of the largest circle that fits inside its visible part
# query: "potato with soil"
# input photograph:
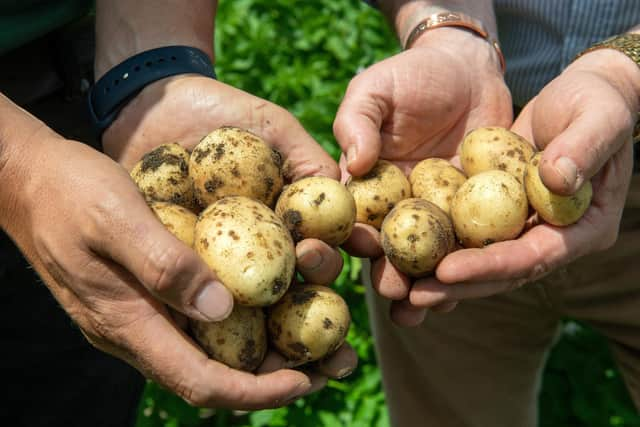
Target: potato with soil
(377, 192)
(181, 222)
(553, 208)
(234, 162)
(239, 341)
(163, 175)
(416, 235)
(309, 323)
(317, 207)
(495, 148)
(436, 180)
(249, 249)
(489, 207)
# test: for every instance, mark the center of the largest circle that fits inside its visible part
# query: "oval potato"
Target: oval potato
(180, 221)
(249, 249)
(317, 207)
(436, 180)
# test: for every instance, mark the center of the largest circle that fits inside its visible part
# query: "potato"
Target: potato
(234, 162)
(317, 207)
(239, 341)
(248, 247)
(309, 323)
(377, 192)
(181, 222)
(163, 175)
(416, 235)
(436, 180)
(553, 208)
(495, 148)
(489, 207)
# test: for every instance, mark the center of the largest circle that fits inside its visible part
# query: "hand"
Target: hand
(417, 104)
(584, 121)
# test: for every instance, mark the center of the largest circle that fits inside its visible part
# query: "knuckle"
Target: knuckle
(164, 267)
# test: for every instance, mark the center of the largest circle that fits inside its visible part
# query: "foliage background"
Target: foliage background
(301, 55)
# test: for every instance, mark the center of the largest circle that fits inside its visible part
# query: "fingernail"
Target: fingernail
(352, 152)
(300, 391)
(214, 301)
(344, 372)
(310, 260)
(568, 170)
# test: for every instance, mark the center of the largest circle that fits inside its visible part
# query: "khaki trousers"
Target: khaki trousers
(481, 365)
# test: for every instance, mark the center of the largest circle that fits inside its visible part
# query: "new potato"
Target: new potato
(234, 162)
(489, 207)
(239, 341)
(163, 175)
(317, 207)
(416, 235)
(553, 208)
(249, 249)
(495, 148)
(180, 221)
(377, 192)
(309, 323)
(436, 180)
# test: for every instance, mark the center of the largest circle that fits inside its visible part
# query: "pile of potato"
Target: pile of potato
(439, 207)
(219, 199)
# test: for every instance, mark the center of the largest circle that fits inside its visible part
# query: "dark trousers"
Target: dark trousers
(51, 375)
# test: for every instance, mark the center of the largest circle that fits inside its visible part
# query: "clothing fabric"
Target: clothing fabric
(481, 365)
(22, 21)
(51, 375)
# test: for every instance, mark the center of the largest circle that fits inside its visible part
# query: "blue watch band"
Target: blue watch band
(112, 92)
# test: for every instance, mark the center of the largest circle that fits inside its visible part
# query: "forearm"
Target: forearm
(406, 14)
(125, 28)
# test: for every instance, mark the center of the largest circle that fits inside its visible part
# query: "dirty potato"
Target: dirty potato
(249, 249)
(416, 235)
(489, 207)
(377, 192)
(495, 148)
(181, 222)
(317, 207)
(234, 162)
(239, 341)
(436, 180)
(163, 175)
(553, 208)
(309, 323)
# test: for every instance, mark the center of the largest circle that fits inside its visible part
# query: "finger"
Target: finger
(318, 262)
(522, 124)
(436, 296)
(388, 281)
(404, 314)
(340, 364)
(125, 230)
(364, 242)
(579, 151)
(357, 127)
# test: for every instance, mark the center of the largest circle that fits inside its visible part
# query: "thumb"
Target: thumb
(166, 267)
(579, 151)
(357, 128)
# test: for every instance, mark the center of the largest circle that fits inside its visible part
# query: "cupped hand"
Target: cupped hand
(414, 105)
(584, 121)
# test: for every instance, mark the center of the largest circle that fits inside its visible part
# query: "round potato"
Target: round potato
(553, 208)
(234, 162)
(309, 323)
(317, 207)
(495, 148)
(416, 235)
(239, 341)
(181, 222)
(489, 207)
(163, 175)
(377, 192)
(248, 247)
(436, 180)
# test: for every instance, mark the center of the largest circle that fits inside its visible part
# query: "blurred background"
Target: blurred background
(301, 55)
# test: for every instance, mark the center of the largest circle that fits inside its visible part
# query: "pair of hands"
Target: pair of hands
(115, 269)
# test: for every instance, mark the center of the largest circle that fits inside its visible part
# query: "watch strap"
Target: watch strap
(120, 84)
